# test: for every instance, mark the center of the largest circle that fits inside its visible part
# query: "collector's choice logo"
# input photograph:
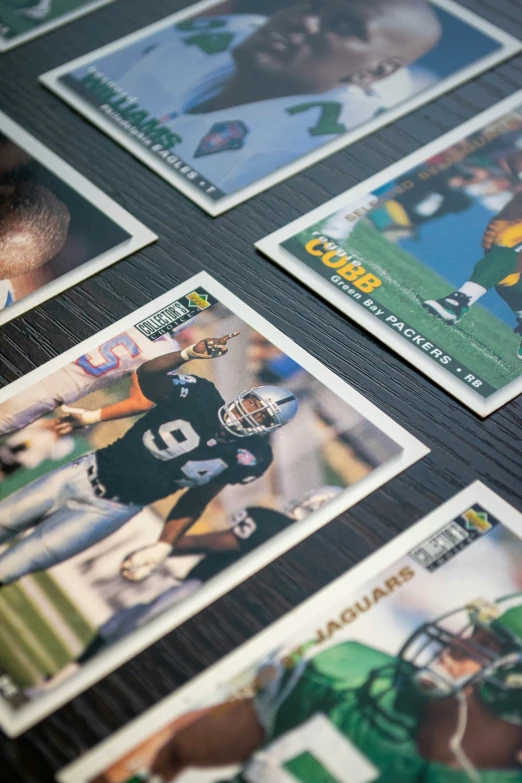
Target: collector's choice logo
(173, 315)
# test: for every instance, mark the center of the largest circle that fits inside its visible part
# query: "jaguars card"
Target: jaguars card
(22, 20)
(407, 668)
(427, 255)
(225, 99)
(56, 227)
(154, 467)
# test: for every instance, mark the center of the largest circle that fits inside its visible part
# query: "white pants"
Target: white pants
(67, 517)
(38, 400)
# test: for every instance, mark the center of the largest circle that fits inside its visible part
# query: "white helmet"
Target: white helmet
(280, 404)
(313, 500)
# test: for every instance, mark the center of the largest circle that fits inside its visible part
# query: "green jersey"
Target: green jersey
(340, 718)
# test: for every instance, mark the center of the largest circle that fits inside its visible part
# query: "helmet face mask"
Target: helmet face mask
(275, 408)
(312, 501)
(466, 648)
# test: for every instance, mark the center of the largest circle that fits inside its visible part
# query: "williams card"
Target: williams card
(22, 20)
(427, 255)
(225, 99)
(406, 669)
(152, 468)
(56, 228)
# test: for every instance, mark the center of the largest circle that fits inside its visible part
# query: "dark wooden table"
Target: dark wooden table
(463, 447)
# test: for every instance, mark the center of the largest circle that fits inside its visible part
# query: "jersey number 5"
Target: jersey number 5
(111, 361)
(178, 437)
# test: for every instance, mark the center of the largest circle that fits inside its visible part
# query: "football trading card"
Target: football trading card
(407, 668)
(22, 20)
(225, 99)
(154, 467)
(56, 227)
(427, 256)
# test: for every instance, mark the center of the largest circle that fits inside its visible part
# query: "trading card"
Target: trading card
(407, 668)
(115, 529)
(56, 227)
(22, 20)
(427, 255)
(225, 99)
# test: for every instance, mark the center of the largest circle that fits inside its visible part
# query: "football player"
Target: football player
(189, 437)
(115, 358)
(33, 229)
(260, 91)
(500, 268)
(217, 550)
(447, 708)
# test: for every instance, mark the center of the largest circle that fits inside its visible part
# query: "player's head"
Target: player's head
(478, 648)
(312, 46)
(312, 501)
(33, 228)
(258, 411)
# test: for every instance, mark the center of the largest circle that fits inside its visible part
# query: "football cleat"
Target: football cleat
(451, 308)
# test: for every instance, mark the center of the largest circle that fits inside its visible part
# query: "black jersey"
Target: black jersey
(251, 527)
(178, 444)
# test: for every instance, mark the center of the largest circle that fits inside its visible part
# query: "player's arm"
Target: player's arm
(153, 377)
(510, 215)
(227, 734)
(139, 565)
(76, 418)
(207, 543)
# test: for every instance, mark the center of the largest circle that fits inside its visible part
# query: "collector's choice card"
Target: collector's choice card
(152, 468)
(427, 255)
(56, 228)
(22, 20)
(225, 99)
(408, 668)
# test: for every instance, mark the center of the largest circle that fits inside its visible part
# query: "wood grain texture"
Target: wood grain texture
(463, 447)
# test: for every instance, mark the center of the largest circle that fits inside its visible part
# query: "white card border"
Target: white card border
(6, 44)
(50, 79)
(144, 726)
(140, 235)
(15, 721)
(270, 246)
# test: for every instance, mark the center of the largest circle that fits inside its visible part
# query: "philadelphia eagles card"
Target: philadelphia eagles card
(152, 468)
(225, 99)
(407, 668)
(427, 255)
(56, 227)
(22, 20)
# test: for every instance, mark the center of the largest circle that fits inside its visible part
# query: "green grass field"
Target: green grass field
(486, 345)
(14, 23)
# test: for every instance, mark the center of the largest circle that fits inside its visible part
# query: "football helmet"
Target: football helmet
(278, 405)
(488, 635)
(312, 501)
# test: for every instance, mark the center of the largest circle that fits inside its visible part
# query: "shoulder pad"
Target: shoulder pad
(348, 663)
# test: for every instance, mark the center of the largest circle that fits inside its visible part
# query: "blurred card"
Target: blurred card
(265, 88)
(406, 668)
(22, 20)
(427, 255)
(56, 227)
(268, 444)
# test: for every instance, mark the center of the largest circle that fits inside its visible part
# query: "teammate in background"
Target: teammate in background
(33, 229)
(249, 529)
(500, 268)
(189, 438)
(103, 366)
(448, 707)
(31, 446)
(262, 91)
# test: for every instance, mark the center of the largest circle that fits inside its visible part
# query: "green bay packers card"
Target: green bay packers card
(154, 467)
(427, 256)
(225, 99)
(406, 669)
(23, 20)
(56, 228)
